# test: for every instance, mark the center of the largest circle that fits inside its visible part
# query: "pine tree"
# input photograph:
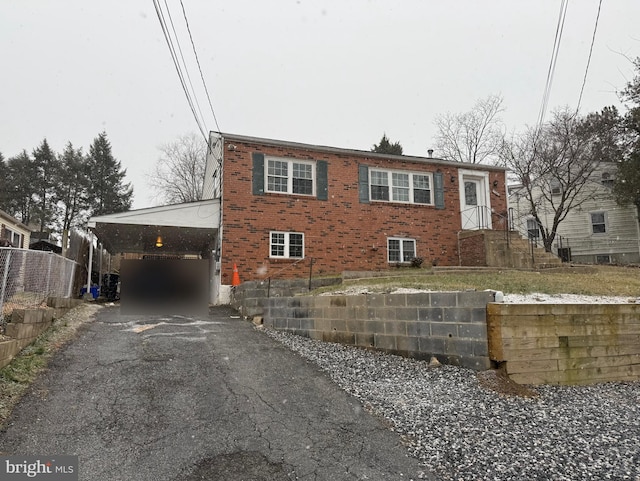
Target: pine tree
(108, 193)
(21, 171)
(386, 147)
(47, 168)
(4, 184)
(72, 190)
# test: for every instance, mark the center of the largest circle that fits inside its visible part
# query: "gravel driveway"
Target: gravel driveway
(461, 430)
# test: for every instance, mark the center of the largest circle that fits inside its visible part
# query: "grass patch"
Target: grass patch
(16, 377)
(592, 280)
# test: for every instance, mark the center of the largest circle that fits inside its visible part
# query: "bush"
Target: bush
(417, 262)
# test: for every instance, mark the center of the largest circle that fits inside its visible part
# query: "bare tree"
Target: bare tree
(179, 172)
(554, 164)
(474, 136)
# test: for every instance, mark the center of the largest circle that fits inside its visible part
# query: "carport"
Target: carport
(170, 230)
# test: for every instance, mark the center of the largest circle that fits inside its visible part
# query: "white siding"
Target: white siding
(620, 241)
(213, 170)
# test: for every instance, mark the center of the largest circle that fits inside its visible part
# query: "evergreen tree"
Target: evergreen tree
(4, 185)
(47, 169)
(107, 191)
(72, 191)
(386, 147)
(21, 171)
(627, 184)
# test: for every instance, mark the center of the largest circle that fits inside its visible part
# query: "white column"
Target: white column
(90, 263)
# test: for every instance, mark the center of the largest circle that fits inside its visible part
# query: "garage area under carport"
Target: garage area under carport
(178, 232)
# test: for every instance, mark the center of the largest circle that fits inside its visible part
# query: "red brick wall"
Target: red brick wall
(472, 251)
(340, 233)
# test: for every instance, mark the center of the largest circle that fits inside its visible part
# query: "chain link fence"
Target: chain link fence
(28, 277)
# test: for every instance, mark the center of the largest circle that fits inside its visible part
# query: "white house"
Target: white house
(598, 231)
(13, 231)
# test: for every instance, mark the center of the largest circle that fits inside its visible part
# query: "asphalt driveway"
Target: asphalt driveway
(184, 398)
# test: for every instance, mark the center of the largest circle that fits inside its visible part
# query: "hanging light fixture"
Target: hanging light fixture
(159, 241)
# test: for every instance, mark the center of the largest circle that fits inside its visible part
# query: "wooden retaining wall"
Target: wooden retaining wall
(565, 343)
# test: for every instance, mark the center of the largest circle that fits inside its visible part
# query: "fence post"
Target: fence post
(49, 275)
(5, 278)
(71, 278)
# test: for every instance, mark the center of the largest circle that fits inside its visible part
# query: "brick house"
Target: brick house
(282, 209)
(285, 205)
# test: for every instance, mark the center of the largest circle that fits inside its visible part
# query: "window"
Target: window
(598, 223)
(607, 181)
(14, 237)
(470, 193)
(603, 259)
(393, 186)
(556, 187)
(290, 176)
(532, 229)
(401, 250)
(287, 245)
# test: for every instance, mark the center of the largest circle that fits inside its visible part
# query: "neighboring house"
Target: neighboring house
(598, 231)
(286, 205)
(13, 233)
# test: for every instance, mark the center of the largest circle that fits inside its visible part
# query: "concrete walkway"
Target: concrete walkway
(176, 398)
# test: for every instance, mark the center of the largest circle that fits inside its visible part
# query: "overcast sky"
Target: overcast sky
(336, 72)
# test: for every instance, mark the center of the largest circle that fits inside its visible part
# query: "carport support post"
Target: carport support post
(90, 263)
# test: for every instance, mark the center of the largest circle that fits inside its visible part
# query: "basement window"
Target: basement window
(401, 250)
(286, 245)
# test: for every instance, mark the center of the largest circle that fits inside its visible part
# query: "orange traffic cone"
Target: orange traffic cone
(235, 279)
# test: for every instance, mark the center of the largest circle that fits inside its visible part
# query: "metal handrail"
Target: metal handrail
(289, 267)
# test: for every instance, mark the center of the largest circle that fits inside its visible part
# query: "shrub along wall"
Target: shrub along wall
(566, 343)
(448, 325)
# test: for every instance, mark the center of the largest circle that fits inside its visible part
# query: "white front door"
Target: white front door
(474, 209)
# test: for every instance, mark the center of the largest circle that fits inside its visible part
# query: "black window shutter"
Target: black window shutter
(322, 180)
(258, 173)
(438, 188)
(363, 183)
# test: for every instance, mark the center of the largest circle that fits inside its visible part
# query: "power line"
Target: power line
(186, 21)
(176, 64)
(593, 39)
(184, 63)
(552, 64)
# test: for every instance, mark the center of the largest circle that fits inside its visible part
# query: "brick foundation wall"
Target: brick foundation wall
(566, 343)
(448, 325)
(341, 233)
(472, 250)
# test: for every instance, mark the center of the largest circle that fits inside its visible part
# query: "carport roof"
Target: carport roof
(187, 228)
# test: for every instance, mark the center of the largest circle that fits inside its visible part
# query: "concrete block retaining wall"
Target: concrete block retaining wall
(27, 324)
(448, 325)
(250, 297)
(566, 343)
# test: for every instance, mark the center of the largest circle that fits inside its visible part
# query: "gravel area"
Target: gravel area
(463, 429)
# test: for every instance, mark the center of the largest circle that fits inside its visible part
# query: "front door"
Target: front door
(475, 212)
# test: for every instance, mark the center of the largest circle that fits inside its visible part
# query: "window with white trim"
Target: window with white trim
(288, 176)
(400, 249)
(399, 186)
(598, 222)
(607, 180)
(286, 245)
